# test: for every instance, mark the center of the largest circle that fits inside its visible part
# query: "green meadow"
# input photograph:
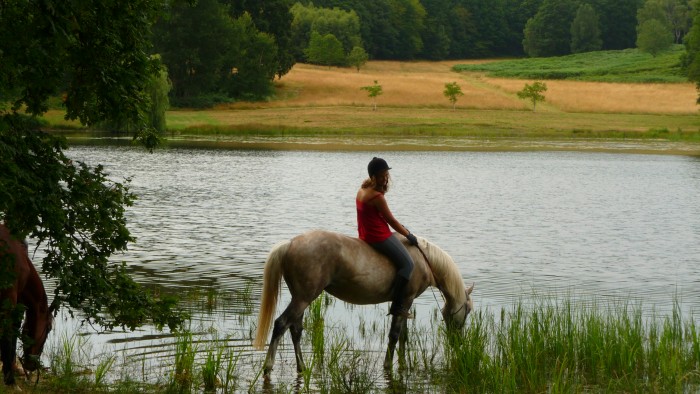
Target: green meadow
(625, 66)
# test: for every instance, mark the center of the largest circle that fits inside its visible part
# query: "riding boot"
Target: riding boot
(399, 295)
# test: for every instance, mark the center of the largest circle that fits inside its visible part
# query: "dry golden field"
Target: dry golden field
(420, 84)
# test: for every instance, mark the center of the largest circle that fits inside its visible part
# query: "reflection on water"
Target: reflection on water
(587, 224)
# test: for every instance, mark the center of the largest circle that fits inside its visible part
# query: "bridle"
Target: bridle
(432, 272)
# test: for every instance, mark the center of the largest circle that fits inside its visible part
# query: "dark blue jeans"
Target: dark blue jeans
(397, 253)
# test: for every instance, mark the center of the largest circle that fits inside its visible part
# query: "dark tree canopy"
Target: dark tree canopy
(548, 33)
(95, 55)
(585, 30)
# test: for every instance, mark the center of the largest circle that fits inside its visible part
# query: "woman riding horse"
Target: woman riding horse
(373, 220)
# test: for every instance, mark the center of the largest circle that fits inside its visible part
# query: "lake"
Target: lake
(520, 225)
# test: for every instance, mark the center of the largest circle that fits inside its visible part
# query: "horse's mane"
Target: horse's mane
(446, 273)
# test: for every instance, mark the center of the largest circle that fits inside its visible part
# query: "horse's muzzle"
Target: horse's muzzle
(31, 363)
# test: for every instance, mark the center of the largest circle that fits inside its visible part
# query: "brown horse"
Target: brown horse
(27, 290)
(351, 270)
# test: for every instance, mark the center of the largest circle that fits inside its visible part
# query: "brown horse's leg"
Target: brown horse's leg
(8, 353)
(293, 314)
(394, 333)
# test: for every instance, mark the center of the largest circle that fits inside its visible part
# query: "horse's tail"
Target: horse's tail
(270, 293)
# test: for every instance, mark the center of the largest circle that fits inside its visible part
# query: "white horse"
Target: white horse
(351, 270)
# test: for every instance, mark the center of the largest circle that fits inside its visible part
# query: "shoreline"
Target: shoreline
(339, 143)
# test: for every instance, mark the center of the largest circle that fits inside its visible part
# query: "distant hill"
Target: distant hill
(628, 65)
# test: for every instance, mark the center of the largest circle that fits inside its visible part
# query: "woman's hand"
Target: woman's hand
(412, 239)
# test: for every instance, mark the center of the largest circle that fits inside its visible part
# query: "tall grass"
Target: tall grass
(559, 347)
(625, 66)
(547, 344)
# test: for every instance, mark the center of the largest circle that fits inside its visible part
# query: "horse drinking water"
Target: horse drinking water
(28, 290)
(351, 270)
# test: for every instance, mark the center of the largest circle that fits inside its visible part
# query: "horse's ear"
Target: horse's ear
(470, 289)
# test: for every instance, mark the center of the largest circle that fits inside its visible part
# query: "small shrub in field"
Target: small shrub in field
(533, 93)
(452, 91)
(374, 91)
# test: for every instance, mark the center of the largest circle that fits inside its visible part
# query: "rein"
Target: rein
(430, 266)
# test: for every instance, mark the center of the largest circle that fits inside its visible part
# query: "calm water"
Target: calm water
(590, 224)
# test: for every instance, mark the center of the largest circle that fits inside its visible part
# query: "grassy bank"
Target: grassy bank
(541, 345)
(324, 102)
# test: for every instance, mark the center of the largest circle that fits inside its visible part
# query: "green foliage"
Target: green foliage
(691, 57)
(673, 14)
(533, 93)
(95, 54)
(357, 57)
(273, 18)
(373, 91)
(343, 25)
(77, 214)
(157, 88)
(452, 92)
(653, 37)
(390, 29)
(210, 53)
(325, 50)
(548, 33)
(249, 65)
(628, 65)
(585, 33)
(436, 34)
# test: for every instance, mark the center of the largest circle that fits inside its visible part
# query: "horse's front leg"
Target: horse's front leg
(8, 339)
(8, 352)
(397, 323)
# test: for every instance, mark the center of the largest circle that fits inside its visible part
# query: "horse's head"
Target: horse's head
(35, 331)
(456, 316)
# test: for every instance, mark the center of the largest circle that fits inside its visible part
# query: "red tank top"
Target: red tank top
(371, 225)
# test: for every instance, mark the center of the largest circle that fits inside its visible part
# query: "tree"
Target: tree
(533, 93)
(675, 14)
(691, 58)
(157, 87)
(325, 50)
(618, 22)
(357, 57)
(343, 25)
(274, 18)
(452, 91)
(548, 33)
(193, 42)
(374, 91)
(654, 37)
(585, 31)
(214, 57)
(96, 55)
(250, 64)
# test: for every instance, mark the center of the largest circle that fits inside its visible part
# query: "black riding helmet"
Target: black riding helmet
(376, 165)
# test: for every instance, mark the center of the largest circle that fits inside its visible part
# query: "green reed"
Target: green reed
(183, 377)
(314, 324)
(553, 345)
(211, 367)
(557, 346)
